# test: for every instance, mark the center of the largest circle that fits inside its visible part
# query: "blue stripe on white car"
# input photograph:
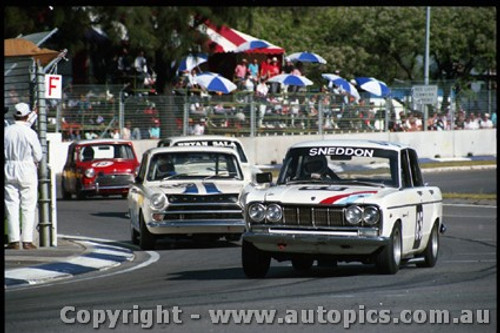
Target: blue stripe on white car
(198, 189)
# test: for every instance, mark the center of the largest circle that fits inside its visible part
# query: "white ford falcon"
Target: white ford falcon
(341, 201)
(186, 192)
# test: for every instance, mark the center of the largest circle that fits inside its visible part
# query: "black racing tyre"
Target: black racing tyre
(431, 251)
(302, 264)
(134, 235)
(389, 259)
(255, 262)
(65, 194)
(80, 194)
(147, 240)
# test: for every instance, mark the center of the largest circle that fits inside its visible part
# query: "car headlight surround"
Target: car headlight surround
(158, 201)
(274, 213)
(257, 212)
(353, 214)
(371, 215)
(89, 173)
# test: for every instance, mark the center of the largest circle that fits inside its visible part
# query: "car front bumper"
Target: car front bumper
(315, 242)
(232, 226)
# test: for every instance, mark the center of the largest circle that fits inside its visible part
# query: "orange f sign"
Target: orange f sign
(53, 86)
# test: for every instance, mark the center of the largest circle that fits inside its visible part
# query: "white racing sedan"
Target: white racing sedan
(341, 201)
(185, 192)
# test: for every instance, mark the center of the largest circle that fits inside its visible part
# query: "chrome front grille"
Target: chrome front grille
(316, 216)
(114, 180)
(203, 211)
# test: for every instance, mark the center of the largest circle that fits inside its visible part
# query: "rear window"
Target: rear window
(106, 151)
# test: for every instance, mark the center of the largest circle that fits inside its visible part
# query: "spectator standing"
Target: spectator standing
(240, 72)
(154, 130)
(254, 69)
(261, 91)
(264, 68)
(199, 128)
(22, 151)
(486, 121)
(123, 65)
(494, 119)
(289, 67)
(141, 69)
(248, 84)
(273, 70)
(126, 131)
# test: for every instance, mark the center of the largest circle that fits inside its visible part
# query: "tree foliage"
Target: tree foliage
(384, 42)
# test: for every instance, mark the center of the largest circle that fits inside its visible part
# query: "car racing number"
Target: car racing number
(419, 226)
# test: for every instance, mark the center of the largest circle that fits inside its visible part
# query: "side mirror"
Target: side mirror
(265, 177)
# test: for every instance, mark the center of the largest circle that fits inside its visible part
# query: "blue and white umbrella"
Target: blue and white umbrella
(307, 57)
(291, 80)
(374, 86)
(343, 84)
(252, 45)
(192, 61)
(215, 82)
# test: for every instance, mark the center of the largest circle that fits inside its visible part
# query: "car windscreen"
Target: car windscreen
(193, 165)
(106, 151)
(341, 165)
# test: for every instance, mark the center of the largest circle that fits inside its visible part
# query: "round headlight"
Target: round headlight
(89, 173)
(353, 214)
(158, 201)
(257, 212)
(274, 213)
(371, 215)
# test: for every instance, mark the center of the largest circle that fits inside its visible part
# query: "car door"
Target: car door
(424, 221)
(135, 195)
(413, 213)
(69, 170)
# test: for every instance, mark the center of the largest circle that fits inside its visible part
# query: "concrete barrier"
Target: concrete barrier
(272, 149)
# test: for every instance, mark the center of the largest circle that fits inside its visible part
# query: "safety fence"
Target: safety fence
(88, 111)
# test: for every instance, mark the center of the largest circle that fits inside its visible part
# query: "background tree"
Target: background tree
(385, 42)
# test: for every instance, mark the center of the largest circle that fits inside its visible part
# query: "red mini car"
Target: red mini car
(99, 167)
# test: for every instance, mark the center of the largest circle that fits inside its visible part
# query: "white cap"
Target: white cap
(22, 110)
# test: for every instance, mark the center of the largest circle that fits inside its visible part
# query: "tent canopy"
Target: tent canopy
(224, 39)
(20, 47)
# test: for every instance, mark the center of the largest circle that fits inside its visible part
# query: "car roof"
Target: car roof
(380, 144)
(101, 141)
(175, 149)
(201, 138)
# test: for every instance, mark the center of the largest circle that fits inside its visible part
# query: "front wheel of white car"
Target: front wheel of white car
(134, 235)
(431, 251)
(146, 239)
(255, 262)
(389, 259)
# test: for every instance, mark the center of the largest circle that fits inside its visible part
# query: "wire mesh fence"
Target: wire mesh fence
(95, 111)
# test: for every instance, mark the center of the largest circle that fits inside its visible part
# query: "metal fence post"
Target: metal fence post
(252, 117)
(44, 201)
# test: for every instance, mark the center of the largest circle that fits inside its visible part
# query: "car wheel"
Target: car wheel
(255, 262)
(134, 235)
(80, 194)
(431, 251)
(389, 259)
(65, 194)
(302, 264)
(146, 239)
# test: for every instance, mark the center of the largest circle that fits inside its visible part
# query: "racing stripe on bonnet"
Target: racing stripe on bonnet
(211, 188)
(191, 188)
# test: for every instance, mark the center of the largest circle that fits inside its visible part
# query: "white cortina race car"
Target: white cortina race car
(341, 201)
(185, 192)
